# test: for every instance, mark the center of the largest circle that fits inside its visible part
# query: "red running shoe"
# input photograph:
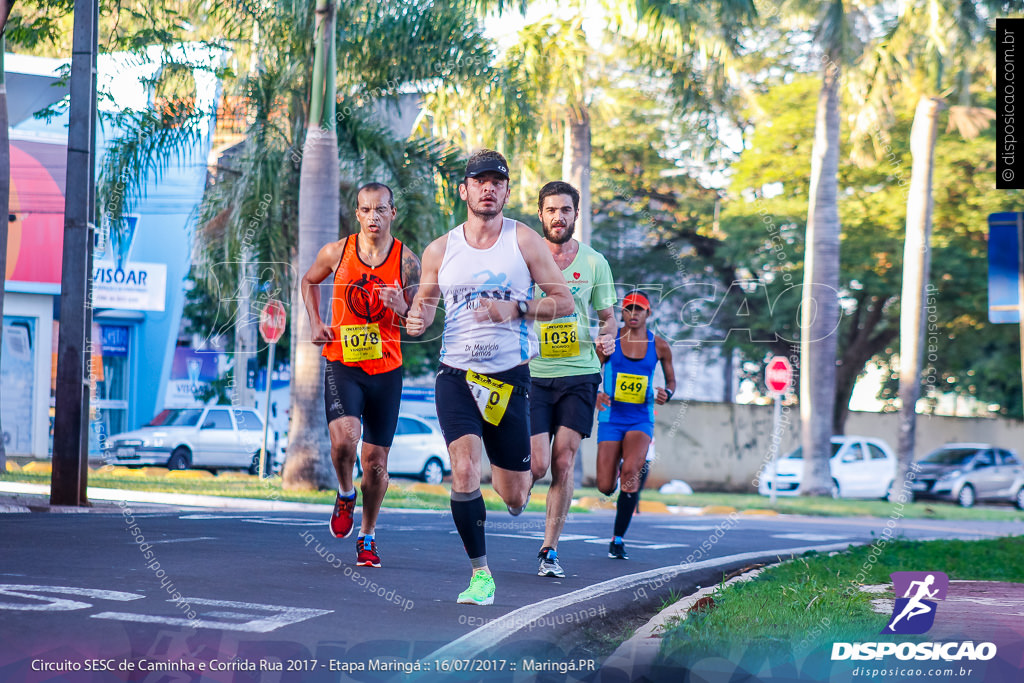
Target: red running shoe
(341, 518)
(367, 555)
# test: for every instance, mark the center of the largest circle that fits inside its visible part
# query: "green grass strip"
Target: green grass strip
(793, 608)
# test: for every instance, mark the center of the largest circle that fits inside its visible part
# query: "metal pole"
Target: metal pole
(266, 414)
(1020, 295)
(776, 439)
(66, 482)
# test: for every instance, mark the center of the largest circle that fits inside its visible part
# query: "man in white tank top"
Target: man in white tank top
(485, 270)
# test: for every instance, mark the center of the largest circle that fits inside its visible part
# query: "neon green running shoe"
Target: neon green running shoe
(480, 591)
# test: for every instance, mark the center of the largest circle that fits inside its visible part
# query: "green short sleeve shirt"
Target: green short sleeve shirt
(566, 347)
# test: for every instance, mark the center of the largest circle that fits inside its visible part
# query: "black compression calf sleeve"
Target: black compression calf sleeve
(624, 507)
(469, 513)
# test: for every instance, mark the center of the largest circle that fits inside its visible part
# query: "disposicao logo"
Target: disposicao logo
(914, 613)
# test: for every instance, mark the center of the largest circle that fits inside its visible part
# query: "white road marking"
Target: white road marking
(259, 623)
(685, 527)
(185, 540)
(259, 519)
(51, 604)
(809, 537)
(646, 545)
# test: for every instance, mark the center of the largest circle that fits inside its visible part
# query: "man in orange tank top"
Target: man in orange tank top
(375, 278)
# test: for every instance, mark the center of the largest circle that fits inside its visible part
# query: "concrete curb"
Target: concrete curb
(637, 654)
(476, 642)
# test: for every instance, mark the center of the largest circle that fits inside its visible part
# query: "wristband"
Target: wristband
(669, 392)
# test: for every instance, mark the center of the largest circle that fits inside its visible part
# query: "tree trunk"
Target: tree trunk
(576, 163)
(246, 323)
(819, 309)
(916, 264)
(5, 199)
(308, 465)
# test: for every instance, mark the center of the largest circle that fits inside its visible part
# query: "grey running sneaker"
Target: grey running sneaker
(515, 512)
(549, 564)
(617, 551)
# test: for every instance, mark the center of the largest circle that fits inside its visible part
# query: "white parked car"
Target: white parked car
(418, 450)
(861, 467)
(215, 437)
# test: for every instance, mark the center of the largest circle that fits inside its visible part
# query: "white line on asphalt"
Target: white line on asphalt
(809, 537)
(185, 540)
(262, 623)
(470, 645)
(57, 604)
(646, 545)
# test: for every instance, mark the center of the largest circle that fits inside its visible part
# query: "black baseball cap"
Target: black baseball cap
(495, 164)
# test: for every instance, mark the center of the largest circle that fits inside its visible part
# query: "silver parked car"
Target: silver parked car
(971, 472)
(215, 437)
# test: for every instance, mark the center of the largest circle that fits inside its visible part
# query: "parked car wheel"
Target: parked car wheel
(1019, 499)
(433, 471)
(181, 459)
(889, 491)
(834, 490)
(966, 496)
(254, 467)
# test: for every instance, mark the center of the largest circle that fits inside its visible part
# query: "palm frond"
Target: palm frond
(149, 141)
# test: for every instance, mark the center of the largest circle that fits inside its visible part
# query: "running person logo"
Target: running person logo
(361, 297)
(914, 612)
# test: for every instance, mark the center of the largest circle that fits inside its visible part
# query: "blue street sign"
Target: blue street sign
(1004, 271)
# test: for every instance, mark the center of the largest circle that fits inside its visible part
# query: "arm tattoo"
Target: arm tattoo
(410, 274)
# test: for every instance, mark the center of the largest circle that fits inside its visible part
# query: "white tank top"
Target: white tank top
(467, 275)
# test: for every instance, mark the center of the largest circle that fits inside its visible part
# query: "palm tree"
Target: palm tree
(933, 53)
(819, 309)
(319, 206)
(301, 104)
(554, 76)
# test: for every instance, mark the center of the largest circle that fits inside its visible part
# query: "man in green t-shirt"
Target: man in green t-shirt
(566, 374)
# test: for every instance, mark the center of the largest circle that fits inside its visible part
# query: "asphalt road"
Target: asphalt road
(182, 595)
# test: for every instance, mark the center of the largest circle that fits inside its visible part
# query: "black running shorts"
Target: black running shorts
(563, 402)
(352, 392)
(507, 443)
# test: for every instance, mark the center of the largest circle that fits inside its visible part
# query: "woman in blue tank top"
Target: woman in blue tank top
(626, 410)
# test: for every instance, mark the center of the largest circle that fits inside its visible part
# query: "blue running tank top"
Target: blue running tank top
(629, 383)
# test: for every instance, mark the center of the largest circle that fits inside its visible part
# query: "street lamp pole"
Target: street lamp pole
(71, 421)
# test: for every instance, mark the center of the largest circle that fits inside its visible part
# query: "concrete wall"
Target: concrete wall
(722, 446)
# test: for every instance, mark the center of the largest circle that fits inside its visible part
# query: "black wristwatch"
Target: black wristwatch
(523, 308)
(669, 392)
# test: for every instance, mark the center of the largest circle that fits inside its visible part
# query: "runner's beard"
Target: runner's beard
(569, 230)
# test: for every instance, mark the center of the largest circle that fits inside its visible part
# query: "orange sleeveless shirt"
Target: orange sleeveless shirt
(357, 312)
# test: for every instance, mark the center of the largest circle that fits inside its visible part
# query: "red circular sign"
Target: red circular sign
(272, 321)
(778, 375)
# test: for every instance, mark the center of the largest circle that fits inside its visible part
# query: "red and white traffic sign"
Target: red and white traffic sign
(778, 375)
(272, 321)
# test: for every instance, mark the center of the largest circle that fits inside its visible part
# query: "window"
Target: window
(408, 425)
(249, 420)
(855, 453)
(183, 417)
(217, 419)
(983, 459)
(1009, 458)
(876, 452)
